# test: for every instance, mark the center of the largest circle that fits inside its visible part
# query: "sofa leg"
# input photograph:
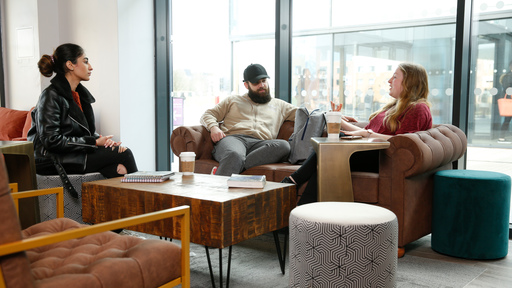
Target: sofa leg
(401, 252)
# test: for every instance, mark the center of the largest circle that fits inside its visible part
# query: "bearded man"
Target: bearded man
(244, 128)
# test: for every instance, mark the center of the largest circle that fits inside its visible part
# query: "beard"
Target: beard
(260, 97)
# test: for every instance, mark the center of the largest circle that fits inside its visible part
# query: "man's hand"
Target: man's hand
(336, 108)
(216, 134)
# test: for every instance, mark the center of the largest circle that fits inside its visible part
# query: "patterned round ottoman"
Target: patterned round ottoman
(72, 206)
(470, 214)
(342, 244)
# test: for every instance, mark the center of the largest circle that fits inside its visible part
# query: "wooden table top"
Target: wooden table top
(212, 188)
(220, 216)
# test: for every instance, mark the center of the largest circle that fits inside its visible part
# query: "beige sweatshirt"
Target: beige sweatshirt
(240, 115)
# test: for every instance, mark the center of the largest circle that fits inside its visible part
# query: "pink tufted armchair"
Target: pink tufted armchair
(63, 253)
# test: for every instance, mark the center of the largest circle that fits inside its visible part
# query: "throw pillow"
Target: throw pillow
(12, 123)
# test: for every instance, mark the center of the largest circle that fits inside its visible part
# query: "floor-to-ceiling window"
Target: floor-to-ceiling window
(489, 134)
(348, 55)
(212, 43)
(201, 57)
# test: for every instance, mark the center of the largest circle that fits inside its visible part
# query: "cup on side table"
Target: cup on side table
(333, 124)
(187, 163)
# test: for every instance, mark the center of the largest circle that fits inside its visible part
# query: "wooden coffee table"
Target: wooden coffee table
(219, 216)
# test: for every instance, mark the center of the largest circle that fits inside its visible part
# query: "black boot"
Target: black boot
(287, 180)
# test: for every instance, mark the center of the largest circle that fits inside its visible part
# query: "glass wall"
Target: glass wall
(252, 34)
(211, 47)
(350, 60)
(312, 71)
(489, 134)
(212, 43)
(201, 57)
(491, 76)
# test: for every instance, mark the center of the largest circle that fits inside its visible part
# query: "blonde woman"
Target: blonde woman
(408, 112)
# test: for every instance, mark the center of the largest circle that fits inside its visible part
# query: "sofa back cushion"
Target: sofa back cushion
(15, 267)
(286, 130)
(12, 123)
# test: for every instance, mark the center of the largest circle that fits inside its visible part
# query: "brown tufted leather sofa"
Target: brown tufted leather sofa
(63, 253)
(402, 180)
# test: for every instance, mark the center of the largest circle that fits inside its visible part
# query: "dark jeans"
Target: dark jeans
(106, 160)
(103, 160)
(307, 173)
(505, 127)
(236, 153)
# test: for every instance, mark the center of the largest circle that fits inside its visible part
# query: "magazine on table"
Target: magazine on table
(247, 181)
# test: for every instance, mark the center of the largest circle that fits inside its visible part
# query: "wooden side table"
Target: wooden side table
(21, 166)
(334, 176)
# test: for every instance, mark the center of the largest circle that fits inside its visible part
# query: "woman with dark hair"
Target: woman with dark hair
(63, 127)
(408, 112)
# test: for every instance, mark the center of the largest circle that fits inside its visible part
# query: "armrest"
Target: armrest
(59, 191)
(419, 152)
(192, 139)
(183, 212)
(13, 187)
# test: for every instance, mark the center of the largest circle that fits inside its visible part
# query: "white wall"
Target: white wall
(49, 29)
(22, 78)
(117, 36)
(92, 24)
(137, 79)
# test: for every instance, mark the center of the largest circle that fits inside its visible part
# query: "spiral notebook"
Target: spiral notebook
(147, 176)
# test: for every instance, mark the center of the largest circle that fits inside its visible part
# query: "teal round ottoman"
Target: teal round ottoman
(470, 214)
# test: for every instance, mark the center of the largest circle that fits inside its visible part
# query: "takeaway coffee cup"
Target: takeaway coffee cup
(187, 163)
(333, 124)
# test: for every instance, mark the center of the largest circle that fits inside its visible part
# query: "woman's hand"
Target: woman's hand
(361, 132)
(365, 133)
(121, 149)
(348, 118)
(107, 141)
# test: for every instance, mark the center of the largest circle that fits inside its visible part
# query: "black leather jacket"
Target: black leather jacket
(61, 129)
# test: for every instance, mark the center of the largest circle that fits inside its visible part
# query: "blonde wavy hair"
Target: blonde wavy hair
(415, 90)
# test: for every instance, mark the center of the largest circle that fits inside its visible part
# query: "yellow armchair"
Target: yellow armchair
(90, 251)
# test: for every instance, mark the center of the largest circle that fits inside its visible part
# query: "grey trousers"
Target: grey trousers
(236, 153)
